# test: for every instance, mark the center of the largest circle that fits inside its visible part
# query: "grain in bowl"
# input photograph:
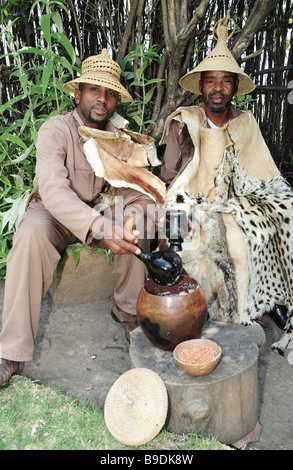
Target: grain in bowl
(197, 356)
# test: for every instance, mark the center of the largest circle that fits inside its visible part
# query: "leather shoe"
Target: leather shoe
(128, 321)
(7, 369)
(279, 315)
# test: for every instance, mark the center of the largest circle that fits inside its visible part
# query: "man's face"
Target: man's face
(218, 89)
(96, 104)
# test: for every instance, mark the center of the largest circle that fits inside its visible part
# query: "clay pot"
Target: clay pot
(170, 315)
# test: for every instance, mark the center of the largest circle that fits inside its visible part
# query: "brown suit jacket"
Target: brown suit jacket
(65, 181)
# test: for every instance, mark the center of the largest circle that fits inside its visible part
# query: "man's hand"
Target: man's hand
(118, 239)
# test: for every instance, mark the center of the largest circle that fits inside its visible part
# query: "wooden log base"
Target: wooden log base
(223, 403)
(253, 436)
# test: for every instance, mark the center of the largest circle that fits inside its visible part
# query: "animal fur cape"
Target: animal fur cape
(242, 251)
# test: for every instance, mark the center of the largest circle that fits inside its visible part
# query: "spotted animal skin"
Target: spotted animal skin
(264, 212)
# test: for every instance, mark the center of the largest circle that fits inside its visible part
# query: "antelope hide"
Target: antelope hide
(123, 158)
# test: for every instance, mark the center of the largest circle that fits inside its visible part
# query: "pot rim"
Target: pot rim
(182, 276)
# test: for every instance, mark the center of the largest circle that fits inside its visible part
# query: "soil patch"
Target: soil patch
(83, 350)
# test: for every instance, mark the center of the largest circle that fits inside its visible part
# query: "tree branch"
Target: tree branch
(198, 15)
(172, 19)
(166, 26)
(128, 30)
(257, 16)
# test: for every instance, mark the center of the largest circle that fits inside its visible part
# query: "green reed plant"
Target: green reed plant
(40, 73)
(140, 108)
(38, 76)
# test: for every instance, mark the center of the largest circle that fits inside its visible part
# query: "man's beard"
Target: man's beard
(215, 109)
(218, 110)
(100, 123)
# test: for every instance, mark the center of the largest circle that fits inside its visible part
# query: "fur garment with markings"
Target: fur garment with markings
(264, 212)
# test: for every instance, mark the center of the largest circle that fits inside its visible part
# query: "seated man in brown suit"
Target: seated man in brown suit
(62, 208)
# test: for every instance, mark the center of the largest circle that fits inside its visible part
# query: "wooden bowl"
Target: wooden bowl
(203, 367)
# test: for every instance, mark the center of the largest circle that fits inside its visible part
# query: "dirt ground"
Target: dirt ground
(81, 349)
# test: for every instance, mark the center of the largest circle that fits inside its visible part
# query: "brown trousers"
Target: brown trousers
(31, 263)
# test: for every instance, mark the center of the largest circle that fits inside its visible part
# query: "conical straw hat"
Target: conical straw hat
(136, 407)
(100, 70)
(219, 59)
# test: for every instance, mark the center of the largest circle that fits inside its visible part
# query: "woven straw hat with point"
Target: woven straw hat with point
(103, 71)
(220, 59)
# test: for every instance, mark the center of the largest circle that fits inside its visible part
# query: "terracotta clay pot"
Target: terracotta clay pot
(170, 315)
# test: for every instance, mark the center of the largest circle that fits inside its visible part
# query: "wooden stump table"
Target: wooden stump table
(223, 403)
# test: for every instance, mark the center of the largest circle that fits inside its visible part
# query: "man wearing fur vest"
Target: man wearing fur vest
(217, 162)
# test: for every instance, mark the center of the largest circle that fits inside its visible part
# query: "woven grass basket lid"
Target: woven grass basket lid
(219, 59)
(100, 70)
(136, 407)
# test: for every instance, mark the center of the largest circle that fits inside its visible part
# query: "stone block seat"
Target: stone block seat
(84, 274)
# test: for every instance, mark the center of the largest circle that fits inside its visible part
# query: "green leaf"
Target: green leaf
(8, 105)
(25, 120)
(76, 254)
(132, 47)
(123, 64)
(154, 80)
(33, 50)
(134, 54)
(46, 27)
(34, 137)
(138, 120)
(5, 180)
(107, 253)
(13, 216)
(66, 64)
(66, 44)
(139, 73)
(136, 83)
(18, 181)
(149, 95)
(60, 4)
(47, 74)
(150, 121)
(14, 139)
(128, 75)
(23, 81)
(33, 6)
(61, 262)
(56, 17)
(23, 156)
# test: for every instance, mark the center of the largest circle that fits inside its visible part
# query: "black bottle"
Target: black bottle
(164, 267)
(177, 228)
